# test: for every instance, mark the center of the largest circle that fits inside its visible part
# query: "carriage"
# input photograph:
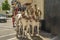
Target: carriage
(28, 20)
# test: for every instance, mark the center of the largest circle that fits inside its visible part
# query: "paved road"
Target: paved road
(8, 33)
(6, 30)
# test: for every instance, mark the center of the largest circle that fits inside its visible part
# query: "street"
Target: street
(47, 10)
(6, 30)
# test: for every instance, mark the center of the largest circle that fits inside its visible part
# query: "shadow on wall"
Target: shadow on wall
(43, 25)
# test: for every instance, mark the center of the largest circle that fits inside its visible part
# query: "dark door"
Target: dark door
(52, 16)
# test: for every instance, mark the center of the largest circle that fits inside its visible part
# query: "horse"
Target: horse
(25, 21)
(32, 19)
(22, 22)
(36, 21)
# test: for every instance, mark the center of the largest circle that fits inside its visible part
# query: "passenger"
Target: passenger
(37, 11)
(15, 12)
(29, 10)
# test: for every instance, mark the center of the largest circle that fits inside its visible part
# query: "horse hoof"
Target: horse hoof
(17, 36)
(37, 34)
(31, 34)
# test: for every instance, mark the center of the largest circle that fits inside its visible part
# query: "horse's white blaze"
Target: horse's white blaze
(18, 16)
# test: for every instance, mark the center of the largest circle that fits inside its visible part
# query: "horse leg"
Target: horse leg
(17, 29)
(32, 29)
(28, 34)
(37, 28)
(23, 30)
(24, 26)
(27, 28)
